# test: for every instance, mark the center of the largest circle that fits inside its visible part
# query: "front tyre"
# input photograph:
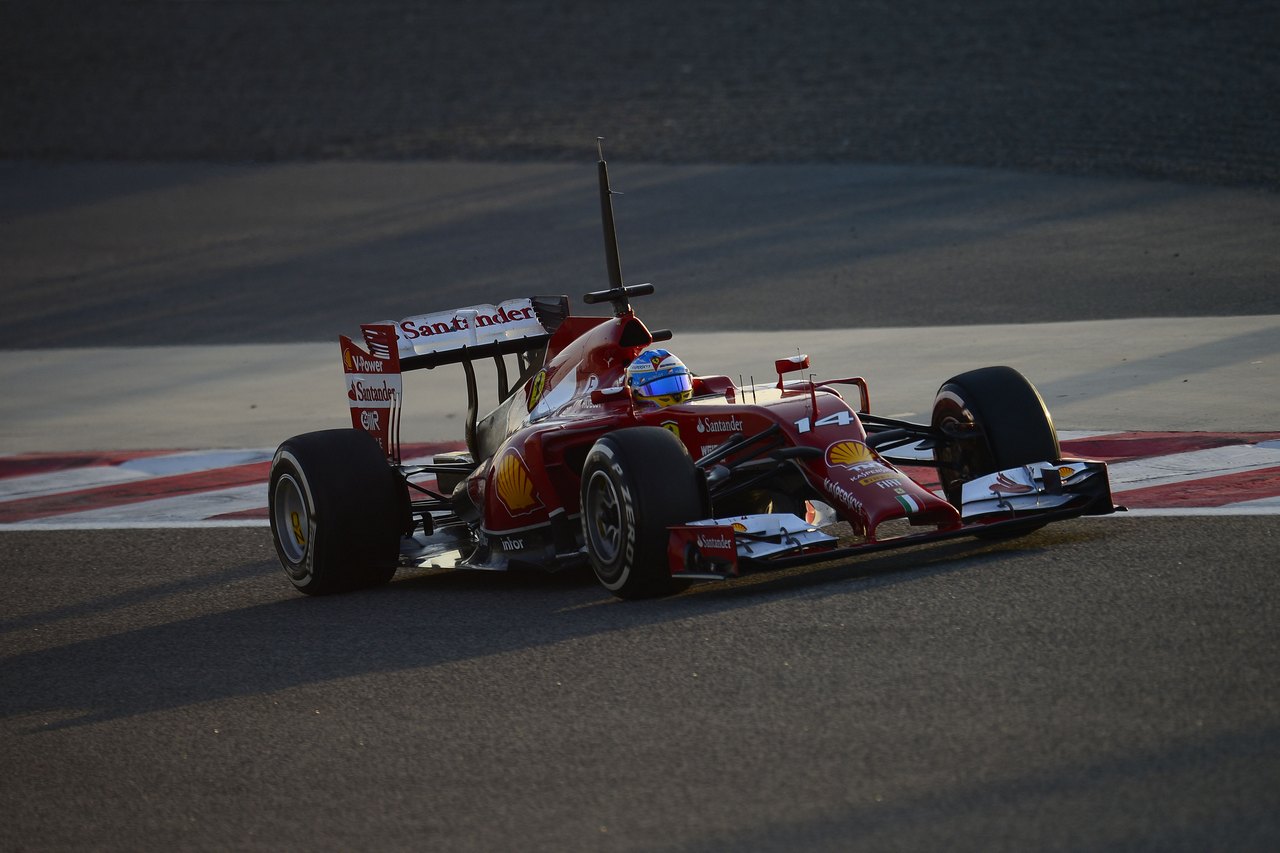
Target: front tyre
(636, 483)
(1004, 422)
(337, 511)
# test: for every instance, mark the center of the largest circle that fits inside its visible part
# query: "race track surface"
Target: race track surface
(1175, 89)
(182, 254)
(1106, 684)
(196, 198)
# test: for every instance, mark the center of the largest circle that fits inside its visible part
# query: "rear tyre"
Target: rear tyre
(635, 484)
(1013, 428)
(337, 511)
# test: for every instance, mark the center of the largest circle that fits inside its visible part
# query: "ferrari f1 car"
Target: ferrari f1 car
(571, 466)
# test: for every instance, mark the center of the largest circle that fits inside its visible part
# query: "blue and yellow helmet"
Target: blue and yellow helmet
(657, 376)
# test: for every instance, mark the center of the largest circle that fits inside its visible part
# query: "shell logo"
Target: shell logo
(739, 527)
(849, 453)
(347, 362)
(514, 485)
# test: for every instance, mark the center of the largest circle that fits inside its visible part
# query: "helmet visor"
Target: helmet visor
(675, 384)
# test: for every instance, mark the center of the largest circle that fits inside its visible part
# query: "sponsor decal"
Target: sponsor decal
(374, 386)
(354, 362)
(359, 364)
(512, 544)
(381, 357)
(849, 454)
(514, 485)
(739, 527)
(362, 393)
(888, 479)
(485, 316)
(843, 495)
(672, 427)
(719, 425)
(537, 386)
(700, 549)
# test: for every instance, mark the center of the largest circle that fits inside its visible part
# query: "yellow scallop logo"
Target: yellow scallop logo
(849, 453)
(347, 362)
(515, 486)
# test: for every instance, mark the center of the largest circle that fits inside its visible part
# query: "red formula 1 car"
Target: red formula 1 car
(573, 466)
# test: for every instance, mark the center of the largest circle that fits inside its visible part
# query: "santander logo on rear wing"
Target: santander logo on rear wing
(375, 390)
(468, 327)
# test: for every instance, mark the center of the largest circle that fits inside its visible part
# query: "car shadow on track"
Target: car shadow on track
(268, 639)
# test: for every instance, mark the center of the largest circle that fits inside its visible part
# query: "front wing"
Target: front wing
(1004, 502)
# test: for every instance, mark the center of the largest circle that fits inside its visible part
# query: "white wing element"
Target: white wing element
(469, 327)
(1039, 486)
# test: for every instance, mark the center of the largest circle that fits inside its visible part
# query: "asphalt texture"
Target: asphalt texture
(180, 254)
(1184, 90)
(1104, 684)
(226, 172)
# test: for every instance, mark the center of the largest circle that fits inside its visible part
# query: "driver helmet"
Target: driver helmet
(657, 376)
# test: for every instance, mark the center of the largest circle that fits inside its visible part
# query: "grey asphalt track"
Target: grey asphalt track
(1106, 684)
(147, 254)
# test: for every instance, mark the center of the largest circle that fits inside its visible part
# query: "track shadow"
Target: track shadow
(421, 621)
(247, 255)
(1115, 785)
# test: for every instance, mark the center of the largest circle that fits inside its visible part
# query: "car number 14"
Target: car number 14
(840, 418)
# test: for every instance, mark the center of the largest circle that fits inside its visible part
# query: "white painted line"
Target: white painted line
(190, 462)
(1195, 465)
(129, 471)
(182, 510)
(71, 480)
(1230, 509)
(35, 527)
(1077, 434)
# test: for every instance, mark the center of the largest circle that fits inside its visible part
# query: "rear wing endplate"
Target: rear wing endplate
(373, 373)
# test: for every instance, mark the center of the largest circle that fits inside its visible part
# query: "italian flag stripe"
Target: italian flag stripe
(908, 503)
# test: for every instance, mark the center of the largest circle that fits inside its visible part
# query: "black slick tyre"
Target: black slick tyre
(337, 511)
(1007, 422)
(636, 483)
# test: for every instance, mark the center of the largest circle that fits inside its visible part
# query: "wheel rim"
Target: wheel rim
(961, 459)
(292, 521)
(604, 520)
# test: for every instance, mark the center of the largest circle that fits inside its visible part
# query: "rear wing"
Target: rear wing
(375, 391)
(479, 331)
